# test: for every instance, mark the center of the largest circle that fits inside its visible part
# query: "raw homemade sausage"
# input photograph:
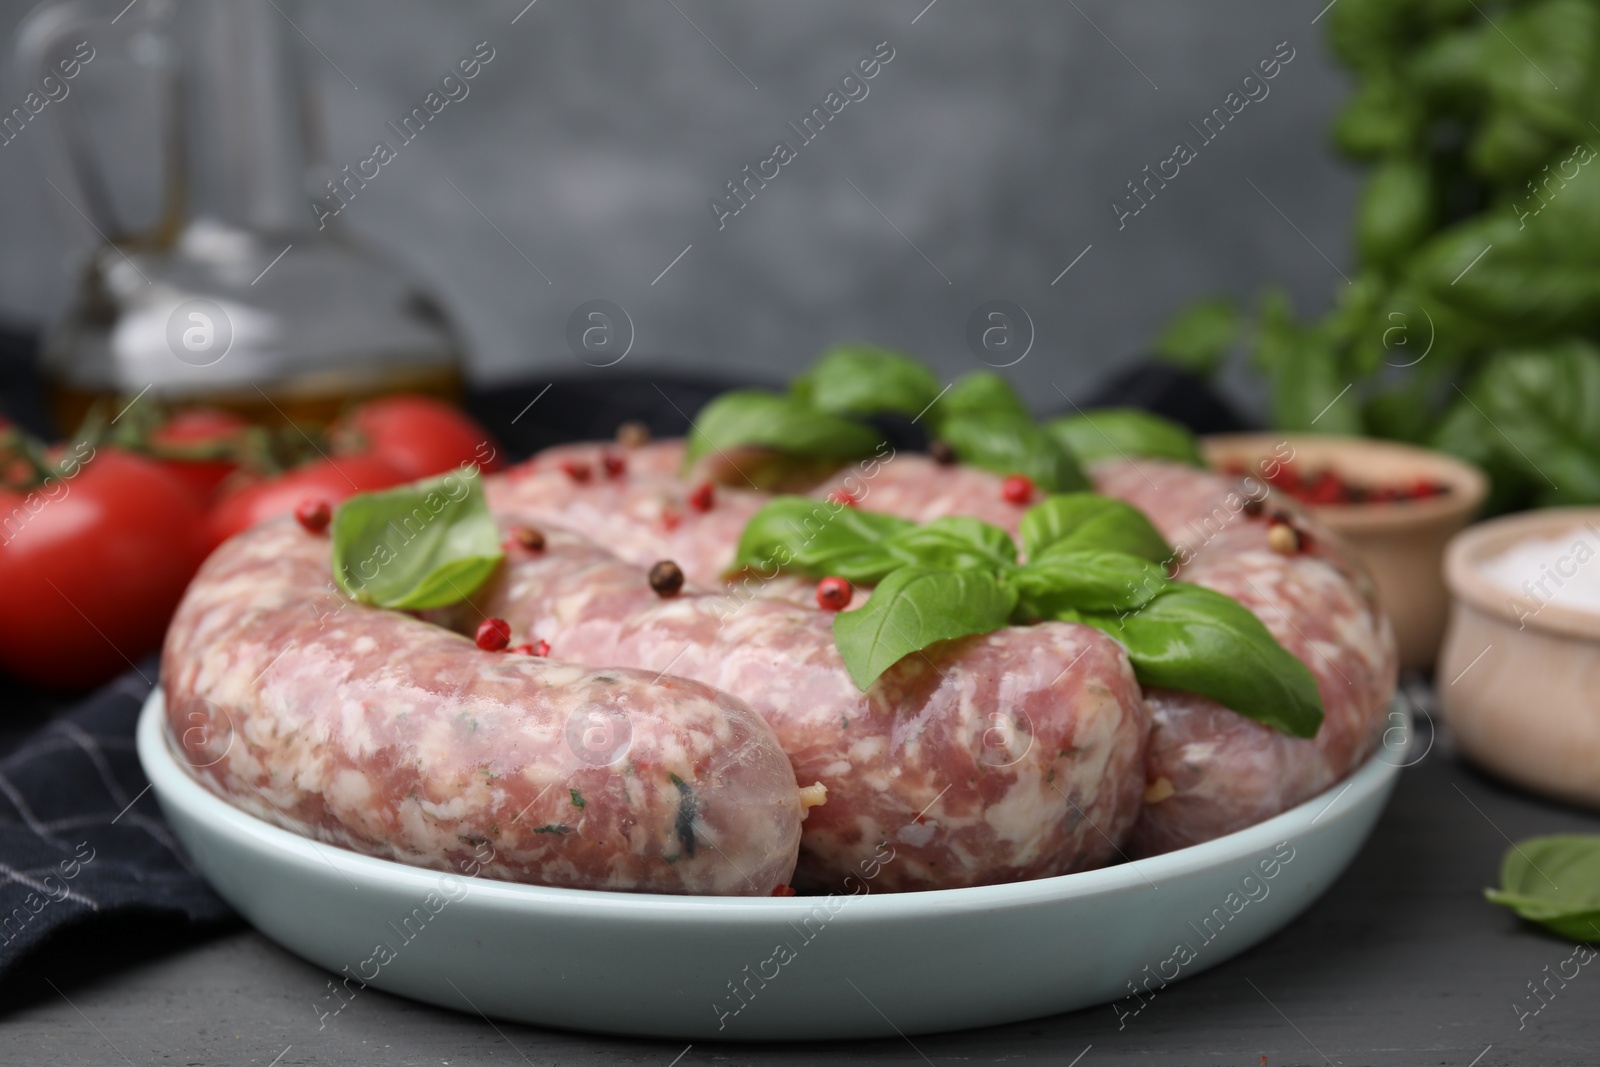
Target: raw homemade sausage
(915, 487)
(643, 513)
(386, 734)
(1202, 515)
(1210, 770)
(1013, 755)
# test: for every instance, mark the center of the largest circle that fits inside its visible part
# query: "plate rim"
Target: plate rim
(174, 784)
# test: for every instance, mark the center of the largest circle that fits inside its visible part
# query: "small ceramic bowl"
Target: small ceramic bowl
(1402, 543)
(1518, 675)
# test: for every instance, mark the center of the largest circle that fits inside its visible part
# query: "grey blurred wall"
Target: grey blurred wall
(983, 160)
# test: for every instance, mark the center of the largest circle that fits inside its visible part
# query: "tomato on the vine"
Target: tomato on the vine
(92, 564)
(418, 434)
(200, 446)
(330, 481)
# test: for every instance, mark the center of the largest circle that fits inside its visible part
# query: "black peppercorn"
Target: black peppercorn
(527, 537)
(666, 578)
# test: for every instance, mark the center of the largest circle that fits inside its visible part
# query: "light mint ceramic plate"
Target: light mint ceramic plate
(705, 968)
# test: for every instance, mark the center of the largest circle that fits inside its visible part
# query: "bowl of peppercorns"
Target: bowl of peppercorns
(1395, 504)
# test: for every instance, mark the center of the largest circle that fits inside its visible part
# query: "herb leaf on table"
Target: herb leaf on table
(1554, 881)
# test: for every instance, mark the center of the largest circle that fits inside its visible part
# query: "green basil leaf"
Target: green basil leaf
(1461, 433)
(1555, 881)
(861, 379)
(982, 392)
(819, 538)
(422, 545)
(1542, 279)
(756, 418)
(1200, 641)
(911, 609)
(1089, 521)
(1085, 580)
(1123, 433)
(1304, 367)
(1199, 337)
(1538, 412)
(955, 543)
(1397, 211)
(1383, 118)
(1007, 444)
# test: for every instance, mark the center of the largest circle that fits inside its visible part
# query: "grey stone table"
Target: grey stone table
(1402, 962)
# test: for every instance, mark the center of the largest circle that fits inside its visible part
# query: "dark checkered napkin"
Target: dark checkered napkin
(82, 841)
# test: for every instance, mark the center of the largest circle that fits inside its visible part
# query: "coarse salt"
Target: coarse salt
(1564, 570)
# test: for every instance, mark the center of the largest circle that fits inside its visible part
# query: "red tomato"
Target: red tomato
(329, 480)
(92, 566)
(195, 430)
(418, 434)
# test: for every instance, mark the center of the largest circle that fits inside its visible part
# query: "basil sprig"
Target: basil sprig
(1199, 338)
(913, 608)
(954, 543)
(987, 425)
(1122, 433)
(980, 416)
(745, 418)
(819, 420)
(1090, 559)
(1196, 639)
(819, 537)
(863, 379)
(1006, 444)
(1089, 521)
(422, 545)
(1064, 581)
(1554, 881)
(982, 392)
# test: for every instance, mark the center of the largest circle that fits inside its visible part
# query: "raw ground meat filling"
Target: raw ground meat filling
(1013, 755)
(392, 736)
